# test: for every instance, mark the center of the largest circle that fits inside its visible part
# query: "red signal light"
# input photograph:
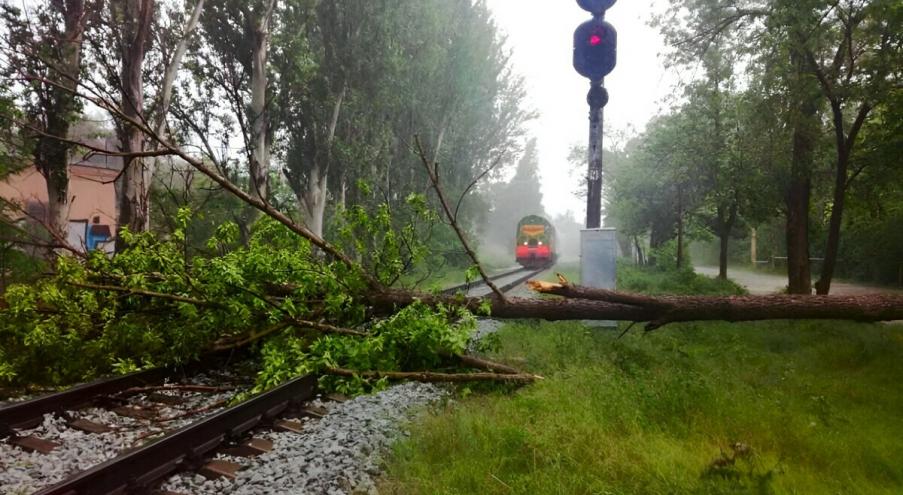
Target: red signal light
(595, 47)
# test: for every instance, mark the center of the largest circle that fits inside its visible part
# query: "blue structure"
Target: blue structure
(97, 234)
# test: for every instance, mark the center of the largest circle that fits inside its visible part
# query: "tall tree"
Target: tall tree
(654, 188)
(133, 20)
(45, 49)
(337, 36)
(725, 156)
(232, 93)
(364, 77)
(855, 55)
(258, 111)
(774, 32)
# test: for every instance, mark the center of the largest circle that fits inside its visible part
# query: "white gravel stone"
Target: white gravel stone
(338, 454)
(23, 472)
(485, 326)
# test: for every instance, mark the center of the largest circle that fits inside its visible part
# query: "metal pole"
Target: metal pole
(596, 98)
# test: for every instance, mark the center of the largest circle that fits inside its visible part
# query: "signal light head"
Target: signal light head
(597, 7)
(595, 49)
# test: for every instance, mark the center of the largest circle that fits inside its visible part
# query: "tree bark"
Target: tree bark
(429, 376)
(640, 258)
(313, 201)
(169, 77)
(257, 111)
(583, 303)
(753, 255)
(725, 227)
(135, 17)
(805, 128)
(52, 155)
(844, 145)
(722, 254)
(680, 227)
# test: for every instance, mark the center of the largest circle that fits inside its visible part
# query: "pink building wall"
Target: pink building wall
(91, 192)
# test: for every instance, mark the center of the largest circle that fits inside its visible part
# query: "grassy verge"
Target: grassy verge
(569, 269)
(653, 280)
(766, 407)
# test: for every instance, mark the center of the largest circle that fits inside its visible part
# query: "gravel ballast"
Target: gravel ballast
(336, 454)
(24, 472)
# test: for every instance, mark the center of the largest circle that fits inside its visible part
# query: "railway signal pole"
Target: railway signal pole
(595, 55)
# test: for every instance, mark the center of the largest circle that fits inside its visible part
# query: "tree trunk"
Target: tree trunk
(844, 145)
(52, 155)
(823, 286)
(135, 17)
(165, 96)
(584, 303)
(430, 376)
(753, 255)
(640, 259)
(680, 227)
(257, 111)
(805, 129)
(722, 254)
(725, 227)
(313, 200)
(56, 173)
(172, 69)
(797, 230)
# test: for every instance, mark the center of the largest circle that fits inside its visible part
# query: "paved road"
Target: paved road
(769, 283)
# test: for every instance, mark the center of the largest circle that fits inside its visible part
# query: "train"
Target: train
(535, 242)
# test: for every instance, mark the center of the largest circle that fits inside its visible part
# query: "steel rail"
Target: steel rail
(476, 283)
(520, 280)
(29, 413)
(140, 469)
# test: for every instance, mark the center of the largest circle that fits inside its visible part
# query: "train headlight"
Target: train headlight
(540, 243)
(525, 243)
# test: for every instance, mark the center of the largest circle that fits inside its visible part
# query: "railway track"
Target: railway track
(29, 413)
(68, 444)
(504, 281)
(141, 469)
(280, 441)
(206, 437)
(49, 438)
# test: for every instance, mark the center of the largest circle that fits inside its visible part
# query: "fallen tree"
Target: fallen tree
(585, 303)
(313, 305)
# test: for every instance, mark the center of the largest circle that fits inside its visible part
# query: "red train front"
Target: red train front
(535, 242)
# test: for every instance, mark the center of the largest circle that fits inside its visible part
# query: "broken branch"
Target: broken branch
(428, 376)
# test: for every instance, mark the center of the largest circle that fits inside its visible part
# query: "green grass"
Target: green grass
(653, 280)
(816, 406)
(570, 271)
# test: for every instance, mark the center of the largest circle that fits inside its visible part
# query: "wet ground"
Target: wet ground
(769, 283)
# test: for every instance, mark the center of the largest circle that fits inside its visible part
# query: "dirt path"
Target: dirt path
(769, 283)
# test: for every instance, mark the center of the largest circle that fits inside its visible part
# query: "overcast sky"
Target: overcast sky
(540, 35)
